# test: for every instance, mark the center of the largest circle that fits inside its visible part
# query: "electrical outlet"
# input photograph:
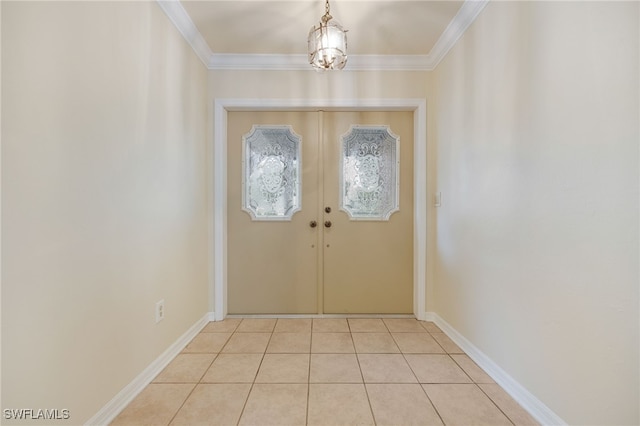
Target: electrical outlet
(159, 310)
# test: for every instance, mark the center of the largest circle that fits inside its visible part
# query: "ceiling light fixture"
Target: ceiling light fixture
(327, 43)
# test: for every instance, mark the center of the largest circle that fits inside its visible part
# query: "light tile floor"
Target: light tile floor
(322, 372)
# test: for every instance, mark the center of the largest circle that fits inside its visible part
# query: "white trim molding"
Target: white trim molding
(182, 21)
(456, 28)
(273, 62)
(519, 393)
(130, 391)
(320, 316)
(218, 284)
(468, 12)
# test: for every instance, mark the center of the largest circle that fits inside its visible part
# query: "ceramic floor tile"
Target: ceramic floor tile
(336, 343)
(471, 368)
(401, 404)
(436, 369)
(385, 368)
(430, 327)
(511, 408)
(334, 368)
(293, 325)
(290, 343)
(185, 368)
(417, 343)
(344, 404)
(276, 404)
(374, 343)
(207, 343)
(446, 343)
(224, 326)
(155, 405)
(260, 371)
(233, 368)
(256, 325)
(284, 368)
(330, 325)
(367, 325)
(215, 404)
(465, 405)
(404, 325)
(247, 343)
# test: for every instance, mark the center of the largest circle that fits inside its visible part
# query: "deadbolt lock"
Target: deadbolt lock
(327, 209)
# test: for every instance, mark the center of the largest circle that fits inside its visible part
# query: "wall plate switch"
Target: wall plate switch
(437, 200)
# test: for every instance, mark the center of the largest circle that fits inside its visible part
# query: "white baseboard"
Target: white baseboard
(321, 316)
(522, 396)
(126, 395)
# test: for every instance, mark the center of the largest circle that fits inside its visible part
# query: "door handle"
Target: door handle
(313, 224)
(327, 224)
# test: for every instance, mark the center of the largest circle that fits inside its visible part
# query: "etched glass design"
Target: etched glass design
(370, 182)
(271, 177)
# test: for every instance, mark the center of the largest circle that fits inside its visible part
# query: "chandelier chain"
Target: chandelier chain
(327, 16)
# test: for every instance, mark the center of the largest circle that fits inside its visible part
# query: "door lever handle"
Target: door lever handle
(313, 224)
(327, 224)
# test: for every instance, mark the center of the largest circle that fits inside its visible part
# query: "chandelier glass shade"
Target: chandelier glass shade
(327, 43)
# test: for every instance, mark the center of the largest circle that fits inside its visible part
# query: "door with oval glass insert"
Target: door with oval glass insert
(319, 212)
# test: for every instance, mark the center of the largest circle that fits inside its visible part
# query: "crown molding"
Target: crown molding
(227, 61)
(464, 18)
(182, 21)
(231, 61)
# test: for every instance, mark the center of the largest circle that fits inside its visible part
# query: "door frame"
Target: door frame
(218, 178)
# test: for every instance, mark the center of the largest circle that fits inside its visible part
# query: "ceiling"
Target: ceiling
(273, 33)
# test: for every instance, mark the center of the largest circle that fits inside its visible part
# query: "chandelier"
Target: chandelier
(327, 43)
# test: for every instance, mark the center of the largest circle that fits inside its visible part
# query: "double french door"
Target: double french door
(320, 212)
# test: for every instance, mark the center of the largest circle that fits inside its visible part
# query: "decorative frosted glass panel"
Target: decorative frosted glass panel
(271, 179)
(370, 182)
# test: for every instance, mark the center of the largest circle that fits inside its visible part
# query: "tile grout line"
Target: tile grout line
(495, 403)
(462, 369)
(195, 384)
(244, 406)
(248, 393)
(404, 355)
(306, 421)
(364, 384)
(432, 404)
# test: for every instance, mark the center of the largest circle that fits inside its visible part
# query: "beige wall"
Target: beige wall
(537, 237)
(318, 85)
(104, 198)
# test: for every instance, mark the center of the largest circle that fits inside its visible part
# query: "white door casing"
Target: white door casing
(218, 208)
